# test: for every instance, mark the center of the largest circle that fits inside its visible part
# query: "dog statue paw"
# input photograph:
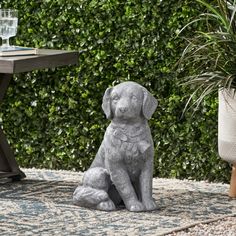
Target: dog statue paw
(150, 205)
(135, 206)
(122, 170)
(106, 206)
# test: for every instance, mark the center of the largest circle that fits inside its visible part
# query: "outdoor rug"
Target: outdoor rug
(41, 204)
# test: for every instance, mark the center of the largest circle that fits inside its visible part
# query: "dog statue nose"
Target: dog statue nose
(123, 109)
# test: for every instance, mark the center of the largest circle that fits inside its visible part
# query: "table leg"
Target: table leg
(8, 165)
(232, 190)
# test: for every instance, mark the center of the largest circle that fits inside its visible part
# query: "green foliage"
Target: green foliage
(54, 119)
(212, 50)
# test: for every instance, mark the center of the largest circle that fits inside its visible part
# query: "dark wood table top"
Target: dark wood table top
(46, 58)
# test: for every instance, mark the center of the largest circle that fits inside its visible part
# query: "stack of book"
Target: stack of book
(17, 51)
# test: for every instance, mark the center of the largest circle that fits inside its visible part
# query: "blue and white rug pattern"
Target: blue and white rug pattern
(42, 204)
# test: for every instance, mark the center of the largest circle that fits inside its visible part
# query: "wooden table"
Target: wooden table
(45, 58)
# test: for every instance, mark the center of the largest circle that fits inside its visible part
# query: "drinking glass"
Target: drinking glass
(8, 26)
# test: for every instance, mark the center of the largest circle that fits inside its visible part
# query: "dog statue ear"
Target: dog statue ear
(106, 103)
(149, 104)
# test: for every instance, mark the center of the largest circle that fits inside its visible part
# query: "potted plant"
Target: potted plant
(211, 53)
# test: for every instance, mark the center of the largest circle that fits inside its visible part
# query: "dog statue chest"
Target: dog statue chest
(130, 143)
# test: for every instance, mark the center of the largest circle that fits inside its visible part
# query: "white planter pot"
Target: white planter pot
(227, 125)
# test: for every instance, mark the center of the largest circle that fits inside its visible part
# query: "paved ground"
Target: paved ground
(224, 227)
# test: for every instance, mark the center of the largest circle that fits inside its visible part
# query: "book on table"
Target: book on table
(17, 51)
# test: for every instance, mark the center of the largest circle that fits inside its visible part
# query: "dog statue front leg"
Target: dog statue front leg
(145, 180)
(121, 180)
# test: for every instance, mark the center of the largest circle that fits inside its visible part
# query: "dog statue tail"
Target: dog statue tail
(94, 191)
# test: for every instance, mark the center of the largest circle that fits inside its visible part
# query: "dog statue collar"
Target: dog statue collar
(135, 143)
(133, 134)
(139, 139)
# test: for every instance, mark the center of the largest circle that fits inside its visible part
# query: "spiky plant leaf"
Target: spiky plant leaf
(212, 52)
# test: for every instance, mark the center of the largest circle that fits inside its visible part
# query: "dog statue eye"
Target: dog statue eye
(115, 97)
(134, 98)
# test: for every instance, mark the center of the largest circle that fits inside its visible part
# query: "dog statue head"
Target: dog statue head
(128, 101)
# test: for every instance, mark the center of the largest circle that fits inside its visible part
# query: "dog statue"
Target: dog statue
(122, 170)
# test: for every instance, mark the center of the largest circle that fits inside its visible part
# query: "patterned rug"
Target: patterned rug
(41, 204)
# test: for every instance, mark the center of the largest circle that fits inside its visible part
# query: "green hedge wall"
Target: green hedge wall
(53, 118)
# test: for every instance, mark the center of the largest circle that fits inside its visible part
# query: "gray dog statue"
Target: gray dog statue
(122, 170)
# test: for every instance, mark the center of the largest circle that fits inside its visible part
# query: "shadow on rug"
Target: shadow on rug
(41, 204)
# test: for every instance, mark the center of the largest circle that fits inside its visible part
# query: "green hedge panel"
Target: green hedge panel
(53, 118)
